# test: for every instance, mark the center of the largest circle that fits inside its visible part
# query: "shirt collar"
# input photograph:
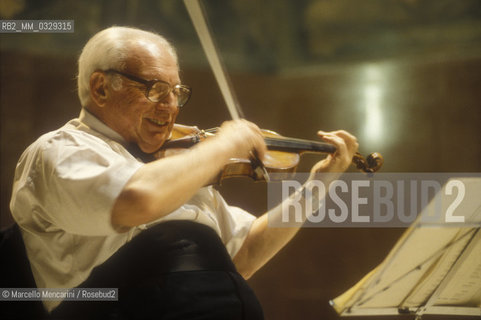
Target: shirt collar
(96, 124)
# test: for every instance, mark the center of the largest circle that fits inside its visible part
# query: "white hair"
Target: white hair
(109, 49)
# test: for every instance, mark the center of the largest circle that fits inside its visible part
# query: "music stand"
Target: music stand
(434, 268)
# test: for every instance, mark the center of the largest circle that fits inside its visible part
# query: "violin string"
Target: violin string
(211, 130)
(293, 144)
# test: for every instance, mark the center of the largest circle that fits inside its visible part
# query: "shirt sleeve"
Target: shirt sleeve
(234, 223)
(78, 178)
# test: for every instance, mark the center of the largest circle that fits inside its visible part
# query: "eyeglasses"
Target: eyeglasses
(158, 90)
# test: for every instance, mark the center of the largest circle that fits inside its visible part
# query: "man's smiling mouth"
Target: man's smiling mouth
(158, 122)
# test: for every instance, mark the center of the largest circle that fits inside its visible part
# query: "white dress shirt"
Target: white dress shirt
(65, 186)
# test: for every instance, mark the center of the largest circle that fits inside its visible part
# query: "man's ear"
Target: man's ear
(99, 88)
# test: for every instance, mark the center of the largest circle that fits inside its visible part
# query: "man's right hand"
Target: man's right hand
(240, 138)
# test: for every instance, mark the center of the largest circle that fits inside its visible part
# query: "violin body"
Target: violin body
(183, 137)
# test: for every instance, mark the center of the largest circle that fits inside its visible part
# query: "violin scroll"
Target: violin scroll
(371, 164)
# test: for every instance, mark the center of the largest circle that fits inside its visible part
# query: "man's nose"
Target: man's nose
(169, 102)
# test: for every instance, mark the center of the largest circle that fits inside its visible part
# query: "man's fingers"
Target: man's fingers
(349, 140)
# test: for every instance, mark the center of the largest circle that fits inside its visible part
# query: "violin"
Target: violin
(282, 156)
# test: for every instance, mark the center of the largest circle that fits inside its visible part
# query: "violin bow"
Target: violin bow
(197, 17)
(196, 13)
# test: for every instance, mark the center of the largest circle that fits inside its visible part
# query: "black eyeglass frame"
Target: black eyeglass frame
(150, 83)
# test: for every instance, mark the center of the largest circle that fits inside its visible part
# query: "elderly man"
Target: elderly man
(93, 214)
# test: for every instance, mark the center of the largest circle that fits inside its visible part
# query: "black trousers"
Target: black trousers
(174, 270)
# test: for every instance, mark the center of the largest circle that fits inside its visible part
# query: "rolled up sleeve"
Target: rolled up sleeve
(76, 183)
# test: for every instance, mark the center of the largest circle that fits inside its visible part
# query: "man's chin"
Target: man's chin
(152, 143)
(150, 148)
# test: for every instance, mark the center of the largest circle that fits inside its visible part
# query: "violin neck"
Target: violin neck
(298, 145)
(283, 144)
